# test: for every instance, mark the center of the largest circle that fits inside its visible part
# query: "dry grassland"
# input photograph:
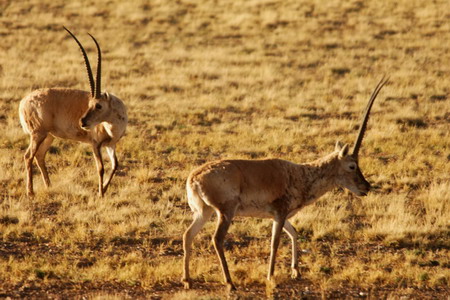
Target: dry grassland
(205, 80)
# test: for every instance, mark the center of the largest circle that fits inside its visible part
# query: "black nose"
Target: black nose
(367, 188)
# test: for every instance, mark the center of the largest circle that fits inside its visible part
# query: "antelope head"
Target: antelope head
(349, 174)
(99, 107)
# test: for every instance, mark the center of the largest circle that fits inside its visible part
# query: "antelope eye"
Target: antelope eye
(98, 106)
(352, 167)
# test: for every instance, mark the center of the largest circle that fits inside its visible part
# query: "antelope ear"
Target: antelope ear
(107, 96)
(344, 151)
(338, 146)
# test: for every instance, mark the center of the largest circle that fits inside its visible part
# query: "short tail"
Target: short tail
(22, 120)
(195, 196)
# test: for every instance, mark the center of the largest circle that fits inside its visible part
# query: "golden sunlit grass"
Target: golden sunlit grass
(205, 80)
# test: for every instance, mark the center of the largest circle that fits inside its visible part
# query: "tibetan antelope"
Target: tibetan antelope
(97, 118)
(268, 188)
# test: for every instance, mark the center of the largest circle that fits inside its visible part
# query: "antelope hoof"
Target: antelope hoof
(187, 284)
(295, 273)
(230, 287)
(271, 285)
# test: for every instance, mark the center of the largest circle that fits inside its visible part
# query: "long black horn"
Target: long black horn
(86, 61)
(362, 128)
(98, 84)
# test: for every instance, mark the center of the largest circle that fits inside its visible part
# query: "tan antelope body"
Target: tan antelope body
(269, 188)
(99, 119)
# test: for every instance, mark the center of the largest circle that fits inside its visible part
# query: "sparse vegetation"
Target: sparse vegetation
(204, 80)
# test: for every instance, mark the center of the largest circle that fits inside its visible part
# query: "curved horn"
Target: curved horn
(86, 61)
(363, 125)
(98, 85)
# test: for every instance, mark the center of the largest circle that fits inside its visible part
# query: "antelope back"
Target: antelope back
(55, 110)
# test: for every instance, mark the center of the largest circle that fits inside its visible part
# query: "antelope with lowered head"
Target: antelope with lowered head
(96, 118)
(268, 188)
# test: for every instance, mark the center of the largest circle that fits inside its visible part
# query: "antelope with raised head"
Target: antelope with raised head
(268, 188)
(97, 118)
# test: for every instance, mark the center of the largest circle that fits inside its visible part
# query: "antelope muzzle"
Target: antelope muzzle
(363, 185)
(84, 122)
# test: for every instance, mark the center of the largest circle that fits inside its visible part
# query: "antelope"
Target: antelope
(268, 188)
(96, 118)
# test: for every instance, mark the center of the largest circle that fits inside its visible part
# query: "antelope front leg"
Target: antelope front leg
(100, 168)
(277, 227)
(114, 164)
(290, 230)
